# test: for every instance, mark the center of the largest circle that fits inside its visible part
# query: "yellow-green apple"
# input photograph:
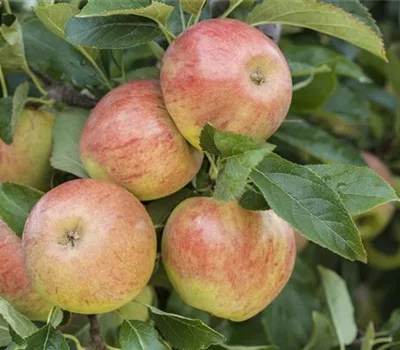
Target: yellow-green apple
(15, 285)
(90, 246)
(227, 260)
(27, 159)
(301, 241)
(129, 139)
(229, 74)
(135, 310)
(373, 222)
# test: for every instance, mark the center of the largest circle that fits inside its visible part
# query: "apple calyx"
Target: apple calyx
(257, 76)
(71, 238)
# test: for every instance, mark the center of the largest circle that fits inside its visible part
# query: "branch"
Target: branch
(64, 92)
(97, 340)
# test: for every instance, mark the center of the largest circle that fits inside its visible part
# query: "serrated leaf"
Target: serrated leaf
(184, 333)
(111, 32)
(316, 142)
(46, 338)
(54, 56)
(55, 17)
(160, 209)
(56, 317)
(19, 99)
(253, 199)
(156, 11)
(291, 310)
(192, 6)
(138, 335)
(16, 202)
(6, 105)
(207, 142)
(323, 335)
(340, 306)
(5, 337)
(304, 200)
(393, 68)
(321, 17)
(360, 188)
(19, 323)
(12, 55)
(67, 132)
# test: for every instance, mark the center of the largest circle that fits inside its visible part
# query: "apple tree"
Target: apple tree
(199, 174)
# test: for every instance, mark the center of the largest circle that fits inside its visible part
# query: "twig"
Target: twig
(97, 340)
(64, 92)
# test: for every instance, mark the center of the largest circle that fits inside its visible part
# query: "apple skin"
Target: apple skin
(129, 139)
(27, 160)
(227, 260)
(90, 246)
(374, 222)
(227, 73)
(15, 284)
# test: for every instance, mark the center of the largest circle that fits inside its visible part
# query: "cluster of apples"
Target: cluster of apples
(89, 246)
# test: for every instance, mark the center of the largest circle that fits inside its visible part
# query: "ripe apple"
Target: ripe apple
(373, 222)
(229, 74)
(129, 139)
(27, 160)
(227, 260)
(90, 246)
(15, 285)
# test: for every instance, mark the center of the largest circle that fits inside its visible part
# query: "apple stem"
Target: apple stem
(97, 340)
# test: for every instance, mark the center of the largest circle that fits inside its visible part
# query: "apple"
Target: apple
(373, 222)
(301, 241)
(129, 139)
(90, 246)
(227, 260)
(15, 285)
(229, 74)
(27, 159)
(134, 310)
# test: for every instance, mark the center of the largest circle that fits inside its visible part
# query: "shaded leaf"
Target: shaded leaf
(360, 188)
(316, 142)
(192, 6)
(67, 132)
(12, 55)
(323, 335)
(304, 200)
(184, 333)
(340, 306)
(5, 337)
(16, 202)
(46, 338)
(6, 106)
(19, 99)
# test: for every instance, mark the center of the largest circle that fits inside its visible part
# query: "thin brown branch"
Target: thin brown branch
(97, 340)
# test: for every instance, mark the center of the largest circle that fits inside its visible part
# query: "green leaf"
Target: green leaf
(56, 317)
(46, 338)
(184, 333)
(299, 69)
(253, 199)
(138, 335)
(369, 337)
(6, 106)
(156, 11)
(16, 202)
(19, 323)
(111, 32)
(393, 68)
(290, 313)
(52, 55)
(304, 200)
(67, 132)
(19, 99)
(360, 188)
(12, 55)
(192, 6)
(316, 142)
(176, 305)
(323, 335)
(5, 337)
(160, 209)
(207, 142)
(55, 17)
(316, 93)
(321, 17)
(241, 347)
(340, 306)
